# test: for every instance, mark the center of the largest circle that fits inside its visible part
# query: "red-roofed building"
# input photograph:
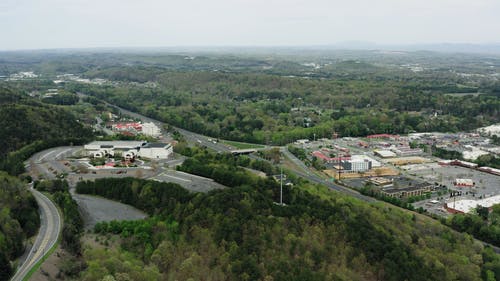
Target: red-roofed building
(127, 126)
(325, 158)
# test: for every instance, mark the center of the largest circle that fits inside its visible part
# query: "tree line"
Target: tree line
(239, 233)
(18, 220)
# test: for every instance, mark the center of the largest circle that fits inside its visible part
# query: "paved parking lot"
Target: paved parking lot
(188, 181)
(486, 184)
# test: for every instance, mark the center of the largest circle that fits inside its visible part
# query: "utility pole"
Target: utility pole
(281, 186)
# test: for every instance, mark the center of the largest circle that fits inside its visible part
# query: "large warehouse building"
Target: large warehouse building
(129, 149)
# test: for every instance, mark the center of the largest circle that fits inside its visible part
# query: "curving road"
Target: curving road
(219, 147)
(50, 227)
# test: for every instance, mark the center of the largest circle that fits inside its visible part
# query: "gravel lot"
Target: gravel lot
(96, 209)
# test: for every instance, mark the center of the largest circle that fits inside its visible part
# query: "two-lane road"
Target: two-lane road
(50, 227)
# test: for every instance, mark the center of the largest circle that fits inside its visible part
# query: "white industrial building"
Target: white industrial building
(129, 149)
(385, 153)
(350, 166)
(466, 205)
(359, 163)
(359, 158)
(110, 148)
(150, 129)
(156, 150)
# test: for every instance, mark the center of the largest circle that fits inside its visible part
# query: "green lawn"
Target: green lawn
(242, 145)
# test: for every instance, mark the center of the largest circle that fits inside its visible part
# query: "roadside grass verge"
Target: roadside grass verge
(52, 249)
(242, 145)
(41, 261)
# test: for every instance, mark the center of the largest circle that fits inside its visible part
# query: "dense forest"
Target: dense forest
(18, 220)
(272, 109)
(483, 224)
(240, 233)
(28, 126)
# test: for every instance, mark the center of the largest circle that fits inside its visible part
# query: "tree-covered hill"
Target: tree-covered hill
(18, 220)
(27, 125)
(264, 108)
(240, 233)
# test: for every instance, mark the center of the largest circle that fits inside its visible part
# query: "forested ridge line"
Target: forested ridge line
(28, 126)
(240, 233)
(272, 109)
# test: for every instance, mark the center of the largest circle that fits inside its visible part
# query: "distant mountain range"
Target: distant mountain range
(490, 48)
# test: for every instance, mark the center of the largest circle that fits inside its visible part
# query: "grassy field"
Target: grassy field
(241, 145)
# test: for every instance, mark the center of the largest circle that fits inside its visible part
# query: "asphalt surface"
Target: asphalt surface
(47, 161)
(218, 147)
(190, 137)
(307, 174)
(96, 209)
(188, 181)
(50, 227)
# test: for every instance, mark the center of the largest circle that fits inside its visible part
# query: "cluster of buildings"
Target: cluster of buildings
(129, 150)
(133, 128)
(344, 161)
(351, 159)
(469, 145)
(75, 78)
(469, 165)
(22, 75)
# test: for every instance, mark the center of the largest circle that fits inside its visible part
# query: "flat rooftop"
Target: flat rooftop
(466, 205)
(385, 153)
(109, 144)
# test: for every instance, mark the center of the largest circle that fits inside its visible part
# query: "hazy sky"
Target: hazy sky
(35, 24)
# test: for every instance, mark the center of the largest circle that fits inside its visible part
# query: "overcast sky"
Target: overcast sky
(36, 24)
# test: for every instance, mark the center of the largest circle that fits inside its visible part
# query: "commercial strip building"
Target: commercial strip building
(129, 149)
(380, 181)
(385, 153)
(469, 165)
(457, 162)
(490, 170)
(407, 151)
(464, 183)
(409, 191)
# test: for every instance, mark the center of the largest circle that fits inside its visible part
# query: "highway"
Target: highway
(190, 137)
(219, 147)
(50, 227)
(50, 218)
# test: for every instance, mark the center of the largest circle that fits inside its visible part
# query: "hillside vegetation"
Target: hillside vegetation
(18, 220)
(27, 126)
(264, 108)
(239, 233)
